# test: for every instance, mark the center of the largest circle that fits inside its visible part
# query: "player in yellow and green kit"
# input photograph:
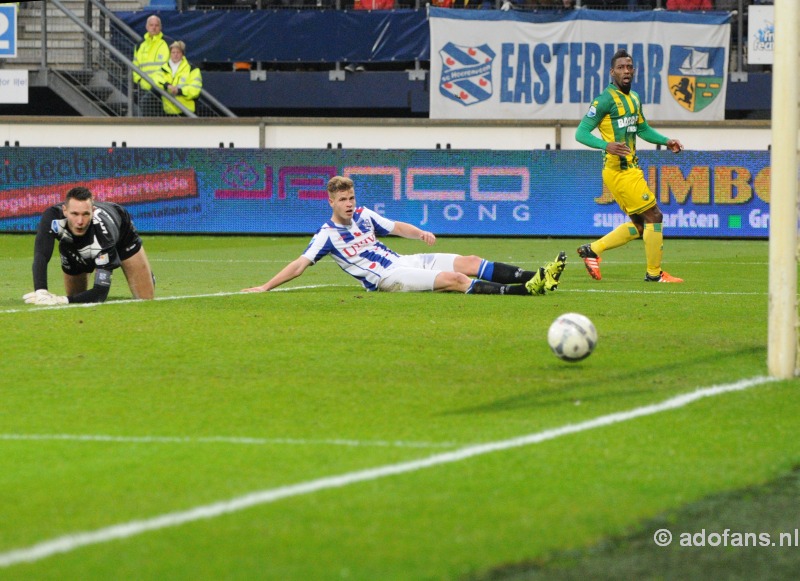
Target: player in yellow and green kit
(617, 112)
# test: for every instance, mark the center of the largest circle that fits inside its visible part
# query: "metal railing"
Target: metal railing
(94, 75)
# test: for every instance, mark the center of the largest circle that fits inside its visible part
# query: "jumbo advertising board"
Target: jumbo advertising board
(715, 194)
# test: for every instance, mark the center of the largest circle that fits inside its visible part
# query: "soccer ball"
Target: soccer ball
(572, 337)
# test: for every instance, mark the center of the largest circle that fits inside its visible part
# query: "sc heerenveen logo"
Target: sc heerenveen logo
(466, 73)
(695, 75)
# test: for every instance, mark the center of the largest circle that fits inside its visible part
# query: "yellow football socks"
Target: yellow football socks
(653, 248)
(619, 236)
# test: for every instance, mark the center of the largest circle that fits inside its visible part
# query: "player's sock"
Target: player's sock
(653, 248)
(503, 273)
(483, 287)
(619, 236)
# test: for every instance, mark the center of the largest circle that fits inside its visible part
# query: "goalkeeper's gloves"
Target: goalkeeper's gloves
(44, 297)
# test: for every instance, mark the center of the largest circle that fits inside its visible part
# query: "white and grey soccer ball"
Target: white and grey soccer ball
(572, 337)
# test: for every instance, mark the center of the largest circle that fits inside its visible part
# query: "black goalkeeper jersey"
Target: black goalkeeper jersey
(109, 239)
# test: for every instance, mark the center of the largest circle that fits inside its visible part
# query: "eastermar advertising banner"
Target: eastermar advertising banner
(526, 65)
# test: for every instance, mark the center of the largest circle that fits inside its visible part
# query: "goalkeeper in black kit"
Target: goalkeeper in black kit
(93, 237)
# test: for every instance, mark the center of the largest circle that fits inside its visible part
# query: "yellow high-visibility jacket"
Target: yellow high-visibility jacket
(189, 82)
(149, 56)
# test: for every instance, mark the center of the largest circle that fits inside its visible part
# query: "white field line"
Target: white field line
(235, 261)
(662, 292)
(512, 259)
(71, 542)
(358, 288)
(325, 263)
(175, 298)
(224, 440)
(190, 260)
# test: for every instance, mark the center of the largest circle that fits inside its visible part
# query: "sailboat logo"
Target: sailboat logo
(695, 75)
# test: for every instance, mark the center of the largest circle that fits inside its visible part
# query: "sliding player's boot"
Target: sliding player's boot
(553, 270)
(535, 286)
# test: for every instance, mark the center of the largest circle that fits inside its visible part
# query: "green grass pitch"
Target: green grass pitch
(129, 411)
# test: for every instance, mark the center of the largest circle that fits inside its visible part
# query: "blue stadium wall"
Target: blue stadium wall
(305, 40)
(714, 194)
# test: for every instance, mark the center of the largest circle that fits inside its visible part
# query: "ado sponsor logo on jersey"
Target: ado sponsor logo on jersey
(629, 121)
(695, 75)
(466, 73)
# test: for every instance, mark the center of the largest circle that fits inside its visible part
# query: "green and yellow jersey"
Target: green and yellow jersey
(620, 118)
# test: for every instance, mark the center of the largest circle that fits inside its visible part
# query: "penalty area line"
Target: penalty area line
(71, 542)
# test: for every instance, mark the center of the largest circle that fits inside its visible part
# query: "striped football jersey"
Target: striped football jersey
(356, 248)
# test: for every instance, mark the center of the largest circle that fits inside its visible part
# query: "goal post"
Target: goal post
(782, 335)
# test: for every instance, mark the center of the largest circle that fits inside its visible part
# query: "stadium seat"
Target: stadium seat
(163, 4)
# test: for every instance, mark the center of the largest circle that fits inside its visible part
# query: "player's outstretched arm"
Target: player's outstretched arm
(651, 135)
(407, 230)
(289, 272)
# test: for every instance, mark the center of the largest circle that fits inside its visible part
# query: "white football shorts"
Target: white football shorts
(416, 272)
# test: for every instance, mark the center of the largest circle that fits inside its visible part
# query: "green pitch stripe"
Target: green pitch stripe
(68, 543)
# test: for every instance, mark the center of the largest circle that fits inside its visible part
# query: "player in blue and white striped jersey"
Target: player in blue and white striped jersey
(350, 237)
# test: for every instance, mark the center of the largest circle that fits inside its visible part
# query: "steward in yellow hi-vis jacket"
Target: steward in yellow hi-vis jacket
(180, 79)
(151, 54)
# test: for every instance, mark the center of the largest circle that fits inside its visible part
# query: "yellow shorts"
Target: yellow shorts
(630, 190)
